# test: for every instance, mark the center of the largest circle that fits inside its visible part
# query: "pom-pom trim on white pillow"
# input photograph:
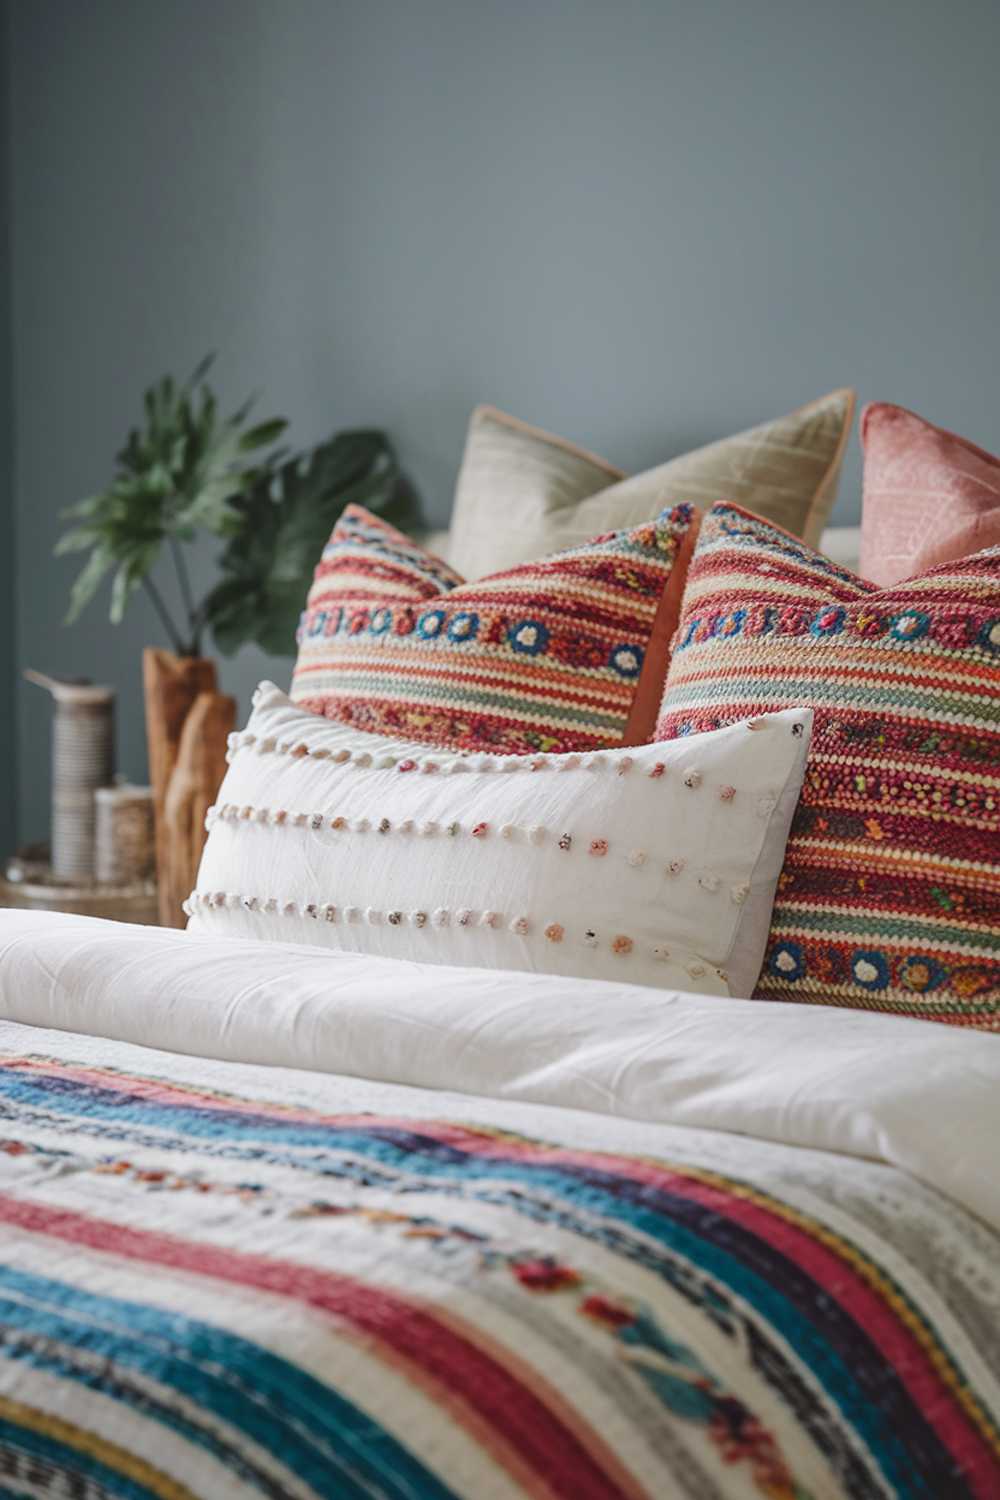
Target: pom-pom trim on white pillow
(656, 865)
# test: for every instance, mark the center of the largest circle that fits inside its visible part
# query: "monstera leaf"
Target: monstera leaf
(180, 471)
(187, 470)
(278, 529)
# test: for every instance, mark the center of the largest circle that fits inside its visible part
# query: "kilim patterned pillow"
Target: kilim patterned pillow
(890, 893)
(564, 654)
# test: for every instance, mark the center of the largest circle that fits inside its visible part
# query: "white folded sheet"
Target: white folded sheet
(921, 1097)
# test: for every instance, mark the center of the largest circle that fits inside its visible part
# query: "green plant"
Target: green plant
(282, 519)
(186, 470)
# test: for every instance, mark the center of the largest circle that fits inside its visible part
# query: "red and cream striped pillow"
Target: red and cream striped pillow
(890, 894)
(568, 653)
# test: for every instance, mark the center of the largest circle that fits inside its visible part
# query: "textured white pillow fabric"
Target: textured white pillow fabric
(657, 865)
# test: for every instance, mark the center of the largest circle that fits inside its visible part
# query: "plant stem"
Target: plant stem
(199, 621)
(183, 579)
(165, 620)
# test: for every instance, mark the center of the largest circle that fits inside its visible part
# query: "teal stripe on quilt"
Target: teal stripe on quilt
(46, 1342)
(71, 1460)
(309, 1427)
(441, 1162)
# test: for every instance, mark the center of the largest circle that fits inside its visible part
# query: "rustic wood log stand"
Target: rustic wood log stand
(187, 724)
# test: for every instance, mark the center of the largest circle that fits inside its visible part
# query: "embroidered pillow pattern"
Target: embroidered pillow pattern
(564, 654)
(890, 893)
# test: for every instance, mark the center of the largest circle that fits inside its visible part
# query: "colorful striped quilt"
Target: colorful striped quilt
(223, 1280)
(205, 1295)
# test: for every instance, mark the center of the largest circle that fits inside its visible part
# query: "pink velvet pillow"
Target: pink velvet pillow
(929, 497)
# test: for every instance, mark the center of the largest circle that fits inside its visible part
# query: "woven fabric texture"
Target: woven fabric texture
(523, 493)
(564, 654)
(929, 497)
(890, 894)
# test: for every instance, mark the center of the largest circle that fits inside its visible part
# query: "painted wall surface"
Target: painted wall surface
(8, 652)
(641, 224)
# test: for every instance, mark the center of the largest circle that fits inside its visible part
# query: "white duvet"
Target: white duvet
(919, 1097)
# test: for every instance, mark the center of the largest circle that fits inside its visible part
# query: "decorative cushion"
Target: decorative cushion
(657, 865)
(929, 496)
(523, 493)
(565, 654)
(890, 893)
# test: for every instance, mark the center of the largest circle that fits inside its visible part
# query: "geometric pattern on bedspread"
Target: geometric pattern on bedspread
(208, 1296)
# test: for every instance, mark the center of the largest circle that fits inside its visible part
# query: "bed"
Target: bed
(278, 1221)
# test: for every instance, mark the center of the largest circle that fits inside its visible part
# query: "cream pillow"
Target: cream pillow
(657, 865)
(523, 493)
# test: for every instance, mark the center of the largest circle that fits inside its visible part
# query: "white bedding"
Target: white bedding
(919, 1097)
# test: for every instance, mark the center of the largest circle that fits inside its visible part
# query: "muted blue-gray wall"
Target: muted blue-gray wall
(640, 224)
(8, 651)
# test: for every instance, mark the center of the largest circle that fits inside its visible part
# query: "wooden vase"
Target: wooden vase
(187, 724)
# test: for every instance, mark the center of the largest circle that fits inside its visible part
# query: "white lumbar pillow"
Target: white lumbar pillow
(657, 864)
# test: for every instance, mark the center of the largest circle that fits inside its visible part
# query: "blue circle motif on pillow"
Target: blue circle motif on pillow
(429, 625)
(529, 636)
(626, 660)
(828, 621)
(989, 636)
(921, 974)
(869, 969)
(464, 627)
(910, 625)
(787, 961)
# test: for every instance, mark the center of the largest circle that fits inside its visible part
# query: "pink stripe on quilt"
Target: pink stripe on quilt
(835, 1274)
(531, 1440)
